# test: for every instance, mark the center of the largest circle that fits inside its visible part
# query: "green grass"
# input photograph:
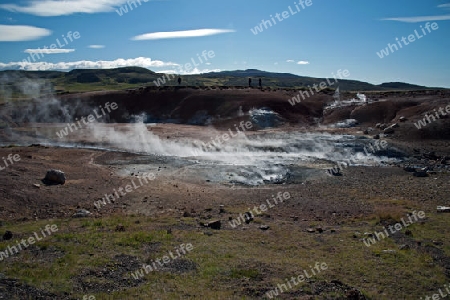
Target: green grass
(230, 263)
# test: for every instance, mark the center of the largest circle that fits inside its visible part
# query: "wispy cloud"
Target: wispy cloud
(192, 72)
(49, 51)
(180, 34)
(419, 19)
(143, 62)
(96, 46)
(444, 5)
(301, 62)
(51, 8)
(18, 33)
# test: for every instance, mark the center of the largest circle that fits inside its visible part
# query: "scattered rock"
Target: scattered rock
(438, 243)
(376, 137)
(408, 232)
(420, 174)
(55, 177)
(214, 224)
(311, 230)
(248, 217)
(120, 228)
(388, 130)
(402, 119)
(443, 209)
(7, 236)
(431, 155)
(221, 209)
(82, 213)
(37, 185)
(366, 131)
(319, 229)
(264, 227)
(389, 251)
(335, 172)
(404, 247)
(409, 169)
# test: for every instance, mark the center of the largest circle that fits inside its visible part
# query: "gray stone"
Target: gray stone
(264, 227)
(55, 176)
(214, 225)
(81, 213)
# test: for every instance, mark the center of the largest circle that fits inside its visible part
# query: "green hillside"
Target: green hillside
(16, 83)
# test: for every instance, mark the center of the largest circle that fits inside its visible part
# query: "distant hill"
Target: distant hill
(403, 86)
(130, 77)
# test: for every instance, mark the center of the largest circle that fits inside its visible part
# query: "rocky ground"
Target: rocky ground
(325, 218)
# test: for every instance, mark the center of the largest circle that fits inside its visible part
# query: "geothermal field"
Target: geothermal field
(187, 192)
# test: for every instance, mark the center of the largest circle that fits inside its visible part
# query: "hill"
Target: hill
(83, 80)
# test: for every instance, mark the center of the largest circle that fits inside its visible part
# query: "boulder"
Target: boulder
(7, 236)
(214, 225)
(248, 217)
(264, 227)
(81, 213)
(55, 177)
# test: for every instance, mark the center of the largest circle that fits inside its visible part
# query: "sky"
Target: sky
(303, 37)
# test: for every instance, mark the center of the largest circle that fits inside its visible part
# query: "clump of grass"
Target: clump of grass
(245, 273)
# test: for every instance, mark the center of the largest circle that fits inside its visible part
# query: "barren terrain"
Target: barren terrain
(326, 218)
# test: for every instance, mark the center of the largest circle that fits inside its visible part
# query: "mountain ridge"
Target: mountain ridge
(127, 77)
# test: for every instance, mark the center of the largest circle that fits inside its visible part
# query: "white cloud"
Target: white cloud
(419, 19)
(96, 46)
(444, 5)
(180, 34)
(18, 33)
(303, 62)
(50, 8)
(49, 51)
(143, 62)
(290, 61)
(192, 72)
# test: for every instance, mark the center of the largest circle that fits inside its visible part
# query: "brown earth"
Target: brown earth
(329, 200)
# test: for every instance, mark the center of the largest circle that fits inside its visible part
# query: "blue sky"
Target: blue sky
(164, 35)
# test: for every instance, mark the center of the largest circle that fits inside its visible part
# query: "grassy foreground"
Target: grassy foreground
(95, 257)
